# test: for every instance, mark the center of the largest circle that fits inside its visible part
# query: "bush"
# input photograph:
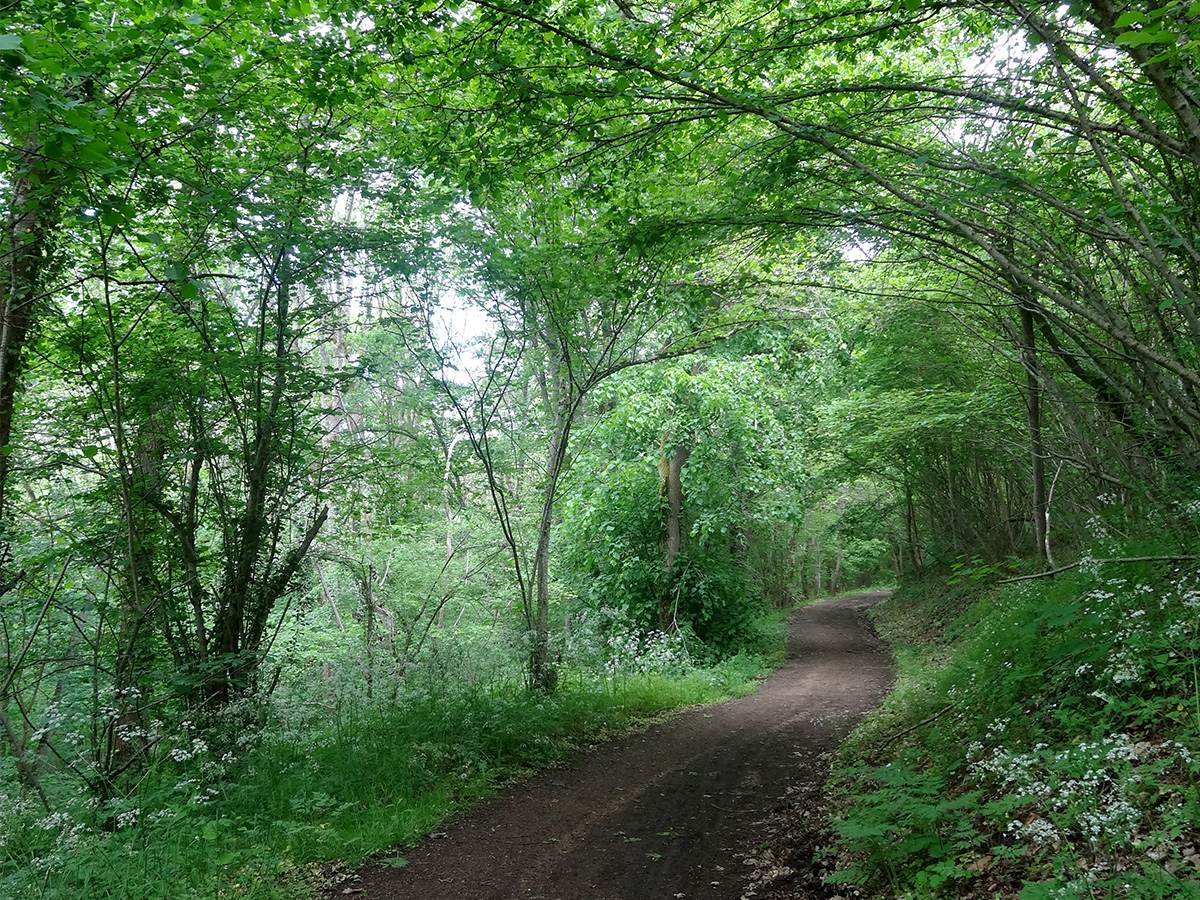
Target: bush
(254, 812)
(1048, 741)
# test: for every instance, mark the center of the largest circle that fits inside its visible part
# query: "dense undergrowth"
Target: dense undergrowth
(1043, 739)
(260, 804)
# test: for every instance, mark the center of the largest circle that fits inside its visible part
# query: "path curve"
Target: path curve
(673, 811)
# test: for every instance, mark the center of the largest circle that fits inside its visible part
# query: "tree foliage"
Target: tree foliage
(427, 328)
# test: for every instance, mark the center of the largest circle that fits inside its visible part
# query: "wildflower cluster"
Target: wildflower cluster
(603, 640)
(635, 651)
(1075, 704)
(1083, 791)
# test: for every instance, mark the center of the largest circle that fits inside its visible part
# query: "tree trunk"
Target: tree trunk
(670, 470)
(24, 254)
(952, 499)
(255, 574)
(816, 542)
(449, 510)
(1033, 405)
(836, 578)
(542, 674)
(913, 528)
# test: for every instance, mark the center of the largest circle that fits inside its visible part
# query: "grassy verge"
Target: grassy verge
(1043, 741)
(261, 817)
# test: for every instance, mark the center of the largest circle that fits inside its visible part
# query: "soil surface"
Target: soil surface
(717, 803)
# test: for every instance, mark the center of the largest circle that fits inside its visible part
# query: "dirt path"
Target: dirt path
(679, 810)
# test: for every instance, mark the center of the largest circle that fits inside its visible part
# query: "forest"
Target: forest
(394, 398)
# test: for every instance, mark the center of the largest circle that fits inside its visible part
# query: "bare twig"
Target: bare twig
(912, 728)
(1122, 559)
(36, 626)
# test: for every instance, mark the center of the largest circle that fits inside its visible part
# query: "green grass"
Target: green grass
(1043, 740)
(339, 784)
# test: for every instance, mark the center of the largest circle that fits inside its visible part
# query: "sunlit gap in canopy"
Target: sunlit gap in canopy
(461, 332)
(458, 319)
(449, 309)
(859, 249)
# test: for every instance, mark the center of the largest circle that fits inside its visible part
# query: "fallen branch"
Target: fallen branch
(912, 728)
(1075, 565)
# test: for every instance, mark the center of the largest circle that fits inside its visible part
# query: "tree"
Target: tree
(686, 549)
(1063, 209)
(576, 297)
(191, 161)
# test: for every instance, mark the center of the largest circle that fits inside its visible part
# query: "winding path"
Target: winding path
(673, 811)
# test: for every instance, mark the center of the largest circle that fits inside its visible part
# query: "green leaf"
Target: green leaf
(10, 42)
(1141, 38)
(90, 452)
(395, 862)
(1133, 17)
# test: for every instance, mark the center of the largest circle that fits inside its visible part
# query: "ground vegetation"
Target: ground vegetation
(434, 385)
